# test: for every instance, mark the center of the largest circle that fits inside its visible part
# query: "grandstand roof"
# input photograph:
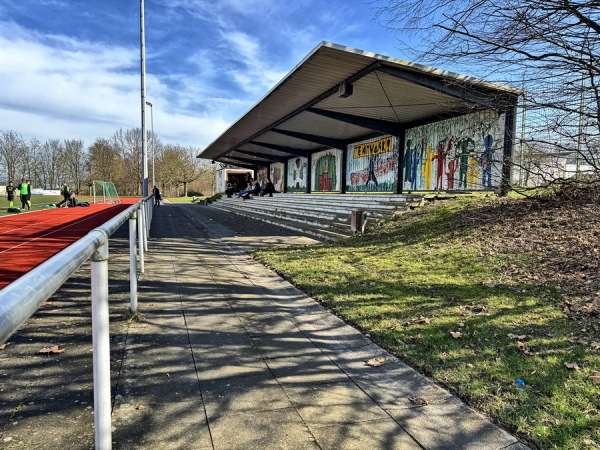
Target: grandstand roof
(338, 95)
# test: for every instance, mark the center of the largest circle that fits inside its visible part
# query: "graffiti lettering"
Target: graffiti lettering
(373, 148)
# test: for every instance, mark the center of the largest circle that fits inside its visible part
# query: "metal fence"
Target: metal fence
(22, 298)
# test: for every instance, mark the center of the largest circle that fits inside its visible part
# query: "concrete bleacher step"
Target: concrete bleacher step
(320, 211)
(320, 232)
(322, 215)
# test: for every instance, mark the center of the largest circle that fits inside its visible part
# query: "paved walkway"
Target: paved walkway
(228, 356)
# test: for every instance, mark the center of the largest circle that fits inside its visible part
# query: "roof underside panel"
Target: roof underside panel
(382, 96)
(383, 90)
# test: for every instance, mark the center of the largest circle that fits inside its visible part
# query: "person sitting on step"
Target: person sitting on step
(246, 193)
(268, 188)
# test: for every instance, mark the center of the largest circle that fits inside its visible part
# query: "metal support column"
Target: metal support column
(400, 168)
(133, 263)
(140, 233)
(509, 133)
(101, 348)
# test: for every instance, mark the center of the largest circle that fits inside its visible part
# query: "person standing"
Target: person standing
(156, 192)
(24, 191)
(10, 194)
(28, 194)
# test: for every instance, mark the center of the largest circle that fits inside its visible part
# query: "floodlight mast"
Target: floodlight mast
(143, 92)
(153, 139)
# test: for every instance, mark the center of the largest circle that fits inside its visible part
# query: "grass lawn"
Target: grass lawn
(185, 199)
(412, 283)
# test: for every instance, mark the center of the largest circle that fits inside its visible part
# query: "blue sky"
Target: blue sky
(69, 69)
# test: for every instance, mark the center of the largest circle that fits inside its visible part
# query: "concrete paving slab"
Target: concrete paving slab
(380, 434)
(305, 370)
(334, 403)
(451, 425)
(259, 430)
(168, 425)
(255, 392)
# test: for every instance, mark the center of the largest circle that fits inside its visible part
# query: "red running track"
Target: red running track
(28, 239)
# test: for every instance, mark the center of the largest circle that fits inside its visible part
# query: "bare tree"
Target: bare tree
(13, 150)
(180, 167)
(48, 164)
(74, 160)
(105, 163)
(550, 48)
(129, 145)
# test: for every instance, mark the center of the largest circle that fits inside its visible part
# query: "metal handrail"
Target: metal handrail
(21, 299)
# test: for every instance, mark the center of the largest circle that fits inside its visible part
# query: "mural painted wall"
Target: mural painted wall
(463, 153)
(372, 165)
(296, 174)
(277, 170)
(261, 175)
(326, 170)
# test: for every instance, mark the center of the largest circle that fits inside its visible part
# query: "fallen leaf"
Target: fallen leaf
(520, 337)
(53, 349)
(595, 377)
(577, 340)
(595, 345)
(375, 362)
(571, 366)
(456, 334)
(462, 325)
(3, 346)
(524, 348)
(473, 308)
(418, 401)
(421, 320)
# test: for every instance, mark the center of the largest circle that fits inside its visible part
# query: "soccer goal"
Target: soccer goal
(105, 192)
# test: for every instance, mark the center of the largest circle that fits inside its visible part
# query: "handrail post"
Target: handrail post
(101, 347)
(132, 263)
(140, 235)
(146, 226)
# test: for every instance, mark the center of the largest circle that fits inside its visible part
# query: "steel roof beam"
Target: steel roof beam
(247, 161)
(323, 140)
(383, 126)
(282, 148)
(489, 100)
(262, 155)
(243, 166)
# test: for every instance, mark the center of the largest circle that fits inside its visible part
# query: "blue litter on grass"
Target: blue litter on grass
(520, 383)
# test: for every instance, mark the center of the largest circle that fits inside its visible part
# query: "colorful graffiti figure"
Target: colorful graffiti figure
(486, 160)
(452, 166)
(441, 155)
(371, 176)
(426, 166)
(298, 174)
(417, 157)
(325, 171)
(463, 149)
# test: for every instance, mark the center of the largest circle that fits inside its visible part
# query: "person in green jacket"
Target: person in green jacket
(10, 194)
(24, 191)
(66, 193)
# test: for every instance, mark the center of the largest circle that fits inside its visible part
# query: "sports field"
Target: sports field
(30, 238)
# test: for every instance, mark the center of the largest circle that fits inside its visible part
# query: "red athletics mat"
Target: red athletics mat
(28, 239)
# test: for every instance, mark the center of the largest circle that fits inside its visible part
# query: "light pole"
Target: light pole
(143, 91)
(152, 142)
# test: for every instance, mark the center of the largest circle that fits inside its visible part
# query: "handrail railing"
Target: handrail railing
(22, 298)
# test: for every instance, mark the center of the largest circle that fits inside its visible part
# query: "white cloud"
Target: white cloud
(256, 75)
(57, 87)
